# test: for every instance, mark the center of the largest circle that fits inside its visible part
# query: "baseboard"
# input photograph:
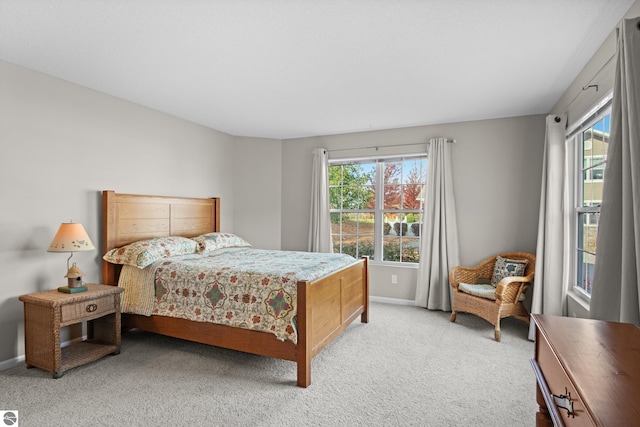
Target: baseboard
(10, 363)
(392, 300)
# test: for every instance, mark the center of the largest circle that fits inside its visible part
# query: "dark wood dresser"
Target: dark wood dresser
(587, 372)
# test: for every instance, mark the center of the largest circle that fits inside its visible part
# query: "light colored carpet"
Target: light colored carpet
(407, 366)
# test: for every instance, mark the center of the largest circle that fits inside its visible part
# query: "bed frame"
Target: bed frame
(325, 306)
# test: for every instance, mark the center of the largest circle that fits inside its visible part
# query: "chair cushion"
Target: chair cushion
(482, 291)
(506, 267)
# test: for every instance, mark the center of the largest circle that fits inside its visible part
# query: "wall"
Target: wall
(257, 174)
(61, 145)
(497, 173)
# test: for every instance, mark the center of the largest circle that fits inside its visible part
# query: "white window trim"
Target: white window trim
(589, 119)
(379, 209)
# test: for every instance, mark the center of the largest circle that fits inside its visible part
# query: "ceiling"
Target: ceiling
(294, 68)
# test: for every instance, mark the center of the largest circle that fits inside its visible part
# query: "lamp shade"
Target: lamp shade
(71, 237)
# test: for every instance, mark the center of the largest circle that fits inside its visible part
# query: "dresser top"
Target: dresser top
(53, 298)
(602, 359)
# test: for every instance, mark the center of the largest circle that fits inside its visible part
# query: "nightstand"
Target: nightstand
(45, 313)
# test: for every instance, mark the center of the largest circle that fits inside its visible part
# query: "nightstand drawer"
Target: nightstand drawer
(87, 310)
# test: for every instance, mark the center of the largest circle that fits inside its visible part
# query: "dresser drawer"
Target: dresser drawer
(558, 384)
(87, 310)
(596, 358)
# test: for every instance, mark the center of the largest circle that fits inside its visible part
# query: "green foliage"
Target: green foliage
(391, 251)
(411, 255)
(349, 187)
(335, 217)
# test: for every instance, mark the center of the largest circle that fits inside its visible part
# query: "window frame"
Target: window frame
(583, 214)
(379, 210)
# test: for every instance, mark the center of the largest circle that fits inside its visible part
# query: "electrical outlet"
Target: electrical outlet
(394, 279)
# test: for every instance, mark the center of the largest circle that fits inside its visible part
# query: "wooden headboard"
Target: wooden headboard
(127, 218)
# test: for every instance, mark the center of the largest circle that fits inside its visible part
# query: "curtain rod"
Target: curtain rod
(377, 147)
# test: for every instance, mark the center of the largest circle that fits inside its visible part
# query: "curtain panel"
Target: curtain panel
(616, 282)
(320, 218)
(555, 222)
(439, 246)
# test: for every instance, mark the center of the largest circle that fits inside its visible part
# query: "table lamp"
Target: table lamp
(71, 237)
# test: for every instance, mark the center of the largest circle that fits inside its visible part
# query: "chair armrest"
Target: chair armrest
(462, 275)
(510, 288)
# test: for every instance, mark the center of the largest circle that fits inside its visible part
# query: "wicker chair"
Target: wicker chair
(509, 292)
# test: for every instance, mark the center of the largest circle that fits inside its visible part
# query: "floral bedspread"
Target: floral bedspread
(241, 287)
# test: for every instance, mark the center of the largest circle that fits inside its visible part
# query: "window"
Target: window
(593, 168)
(593, 142)
(377, 207)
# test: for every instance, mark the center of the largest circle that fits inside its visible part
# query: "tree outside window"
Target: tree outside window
(377, 208)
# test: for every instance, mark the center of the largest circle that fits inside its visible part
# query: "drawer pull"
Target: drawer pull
(91, 308)
(564, 401)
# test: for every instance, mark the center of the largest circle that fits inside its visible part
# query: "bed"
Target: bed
(325, 306)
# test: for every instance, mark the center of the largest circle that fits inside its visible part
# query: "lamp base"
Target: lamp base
(72, 290)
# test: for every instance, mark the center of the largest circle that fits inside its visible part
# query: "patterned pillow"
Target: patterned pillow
(145, 252)
(211, 242)
(505, 267)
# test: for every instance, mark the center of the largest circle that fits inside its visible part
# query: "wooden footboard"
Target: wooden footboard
(325, 306)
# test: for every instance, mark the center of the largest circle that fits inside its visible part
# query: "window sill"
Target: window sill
(577, 306)
(394, 264)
